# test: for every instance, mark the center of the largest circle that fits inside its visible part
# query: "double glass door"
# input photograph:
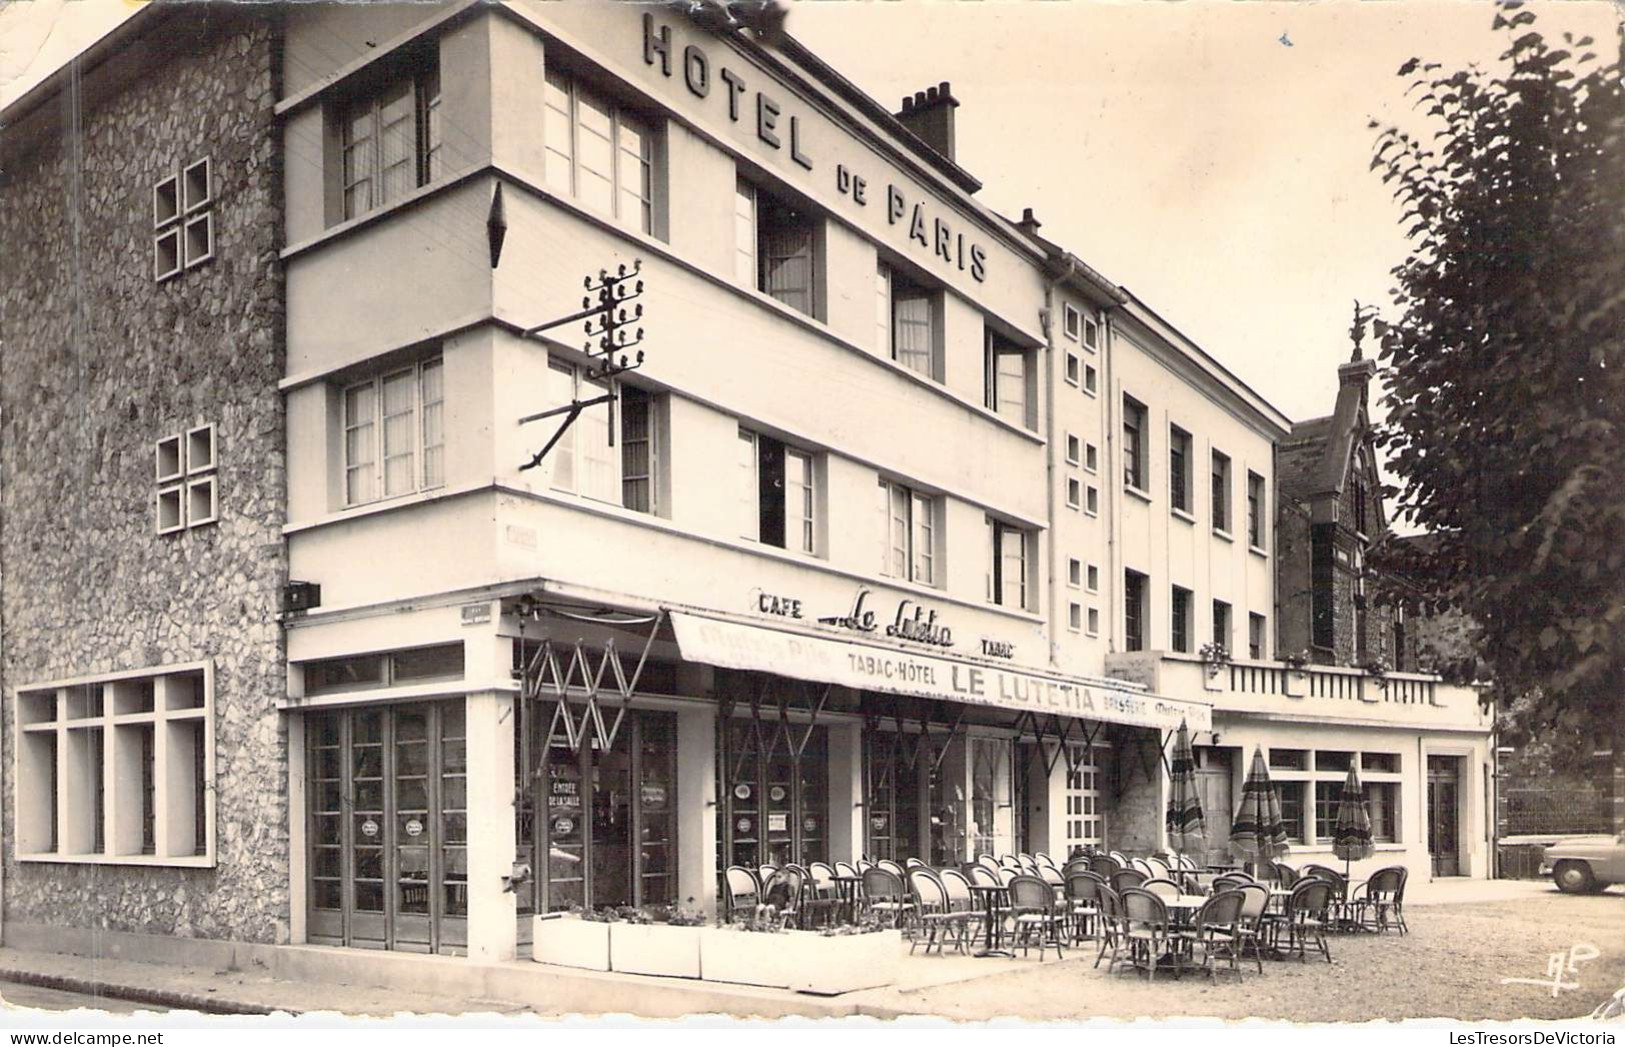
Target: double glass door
(776, 807)
(607, 832)
(387, 794)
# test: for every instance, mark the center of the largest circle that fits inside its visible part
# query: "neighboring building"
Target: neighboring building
(912, 535)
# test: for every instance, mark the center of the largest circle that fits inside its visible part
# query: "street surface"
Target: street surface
(43, 999)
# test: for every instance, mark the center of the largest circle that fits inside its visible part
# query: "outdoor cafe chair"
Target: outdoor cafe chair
(1103, 866)
(845, 869)
(1163, 888)
(1117, 856)
(765, 871)
(784, 890)
(1214, 931)
(1006, 874)
(1307, 914)
(1125, 878)
(962, 899)
(1110, 926)
(744, 892)
(1083, 904)
(933, 913)
(822, 898)
(864, 865)
(1229, 881)
(1145, 927)
(1158, 868)
(1051, 875)
(1380, 901)
(1141, 865)
(1250, 923)
(891, 867)
(1032, 905)
(1043, 859)
(1285, 875)
(912, 863)
(885, 895)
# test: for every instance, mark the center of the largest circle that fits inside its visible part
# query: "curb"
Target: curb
(138, 994)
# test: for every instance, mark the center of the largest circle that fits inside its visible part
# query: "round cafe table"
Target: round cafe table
(995, 929)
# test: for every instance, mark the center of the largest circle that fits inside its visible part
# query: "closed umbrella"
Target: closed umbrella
(1351, 839)
(1258, 834)
(1187, 829)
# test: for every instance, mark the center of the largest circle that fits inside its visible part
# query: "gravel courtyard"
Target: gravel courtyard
(1450, 965)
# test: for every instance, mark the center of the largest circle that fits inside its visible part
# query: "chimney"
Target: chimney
(930, 115)
(1028, 224)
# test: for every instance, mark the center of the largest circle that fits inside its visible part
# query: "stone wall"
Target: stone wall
(101, 361)
(1134, 821)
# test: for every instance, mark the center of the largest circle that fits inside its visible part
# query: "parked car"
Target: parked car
(1584, 864)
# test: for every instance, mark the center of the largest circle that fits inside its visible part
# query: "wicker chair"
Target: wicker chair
(1213, 931)
(1110, 923)
(884, 895)
(934, 912)
(1145, 926)
(1125, 878)
(1163, 888)
(1380, 902)
(962, 899)
(1032, 907)
(744, 892)
(1308, 911)
(1083, 903)
(1250, 924)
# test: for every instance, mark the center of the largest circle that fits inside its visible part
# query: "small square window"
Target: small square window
(1091, 334)
(166, 254)
(200, 502)
(1073, 489)
(1091, 501)
(1091, 458)
(1072, 448)
(199, 239)
(1094, 621)
(199, 449)
(171, 510)
(1091, 379)
(195, 185)
(1072, 367)
(166, 202)
(1074, 573)
(1072, 319)
(167, 456)
(1074, 616)
(1094, 579)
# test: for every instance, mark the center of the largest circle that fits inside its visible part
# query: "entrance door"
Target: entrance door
(388, 827)
(608, 837)
(776, 799)
(1215, 785)
(1444, 793)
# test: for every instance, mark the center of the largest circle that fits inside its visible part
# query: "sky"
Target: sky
(1209, 155)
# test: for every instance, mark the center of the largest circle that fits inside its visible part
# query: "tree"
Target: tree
(1506, 369)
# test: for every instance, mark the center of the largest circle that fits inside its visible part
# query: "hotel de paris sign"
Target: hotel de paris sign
(873, 667)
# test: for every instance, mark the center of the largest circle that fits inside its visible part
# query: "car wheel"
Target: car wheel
(1574, 878)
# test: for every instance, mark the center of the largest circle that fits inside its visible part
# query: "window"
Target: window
(1007, 393)
(1321, 572)
(598, 154)
(183, 220)
(783, 247)
(1382, 803)
(586, 461)
(186, 469)
(1008, 581)
(1289, 759)
(909, 521)
(1382, 763)
(1073, 448)
(905, 321)
(1091, 500)
(1133, 611)
(1180, 606)
(1255, 513)
(399, 668)
(1091, 334)
(88, 787)
(1221, 624)
(1074, 616)
(1090, 378)
(1221, 492)
(1074, 491)
(1179, 469)
(1072, 367)
(1094, 579)
(1360, 521)
(1255, 637)
(1327, 797)
(394, 439)
(1091, 458)
(1134, 474)
(1072, 321)
(1292, 809)
(1074, 572)
(776, 493)
(391, 141)
(1094, 621)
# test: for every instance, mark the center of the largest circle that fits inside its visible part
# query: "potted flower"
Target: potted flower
(1215, 656)
(1297, 673)
(660, 940)
(577, 938)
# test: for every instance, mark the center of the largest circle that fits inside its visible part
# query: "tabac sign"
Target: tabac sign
(860, 666)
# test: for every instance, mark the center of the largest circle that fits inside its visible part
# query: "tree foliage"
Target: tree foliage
(1506, 369)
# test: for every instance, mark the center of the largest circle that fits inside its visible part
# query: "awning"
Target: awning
(873, 667)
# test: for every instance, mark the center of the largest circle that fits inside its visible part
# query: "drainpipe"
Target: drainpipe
(1050, 472)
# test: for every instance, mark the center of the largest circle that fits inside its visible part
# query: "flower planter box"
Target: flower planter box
(655, 948)
(570, 941)
(1297, 683)
(801, 960)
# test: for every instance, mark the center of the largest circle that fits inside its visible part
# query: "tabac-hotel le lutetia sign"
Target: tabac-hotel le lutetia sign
(783, 132)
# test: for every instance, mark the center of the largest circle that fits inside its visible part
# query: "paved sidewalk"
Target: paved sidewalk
(222, 992)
